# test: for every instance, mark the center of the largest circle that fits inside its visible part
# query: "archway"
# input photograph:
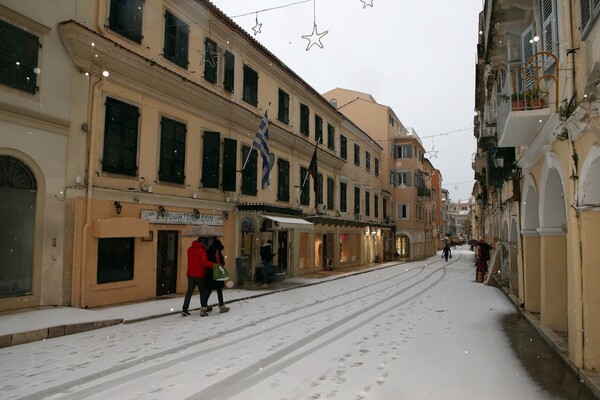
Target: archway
(18, 189)
(403, 245)
(531, 247)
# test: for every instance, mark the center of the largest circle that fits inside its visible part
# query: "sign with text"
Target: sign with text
(181, 218)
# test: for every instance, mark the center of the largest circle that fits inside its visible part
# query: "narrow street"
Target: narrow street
(420, 330)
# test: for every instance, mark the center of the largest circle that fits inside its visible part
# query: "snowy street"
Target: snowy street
(421, 330)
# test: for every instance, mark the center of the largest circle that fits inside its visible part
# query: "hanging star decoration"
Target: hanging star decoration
(367, 3)
(433, 153)
(314, 38)
(257, 27)
(210, 56)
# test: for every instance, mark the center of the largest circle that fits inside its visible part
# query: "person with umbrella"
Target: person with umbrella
(215, 255)
(197, 275)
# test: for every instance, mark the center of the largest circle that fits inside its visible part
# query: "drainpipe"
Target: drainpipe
(578, 259)
(94, 88)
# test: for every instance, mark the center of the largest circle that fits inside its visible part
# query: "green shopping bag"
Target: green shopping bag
(220, 273)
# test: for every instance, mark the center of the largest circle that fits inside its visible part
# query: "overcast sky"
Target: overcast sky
(417, 57)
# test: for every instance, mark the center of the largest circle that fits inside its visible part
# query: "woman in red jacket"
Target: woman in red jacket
(198, 265)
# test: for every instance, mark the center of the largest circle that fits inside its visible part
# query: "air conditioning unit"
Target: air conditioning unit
(358, 217)
(321, 208)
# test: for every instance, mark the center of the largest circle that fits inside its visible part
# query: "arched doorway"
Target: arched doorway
(18, 189)
(530, 224)
(403, 246)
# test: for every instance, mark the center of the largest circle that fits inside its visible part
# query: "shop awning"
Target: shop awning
(289, 222)
(120, 227)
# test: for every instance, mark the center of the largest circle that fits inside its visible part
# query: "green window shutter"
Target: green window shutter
(120, 138)
(384, 209)
(176, 40)
(318, 129)
(343, 197)
(250, 94)
(172, 151)
(330, 194)
(229, 73)
(210, 60)
(356, 154)
(330, 137)
(249, 174)
(376, 206)
(319, 194)
(367, 161)
(304, 119)
(283, 180)
(343, 147)
(18, 58)
(211, 151)
(126, 18)
(283, 112)
(229, 164)
(305, 195)
(376, 166)
(356, 200)
(367, 204)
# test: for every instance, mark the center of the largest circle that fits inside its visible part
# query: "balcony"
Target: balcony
(521, 109)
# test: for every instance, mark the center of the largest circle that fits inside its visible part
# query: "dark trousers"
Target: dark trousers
(201, 283)
(266, 271)
(211, 285)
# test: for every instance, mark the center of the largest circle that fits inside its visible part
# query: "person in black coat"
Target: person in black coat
(215, 254)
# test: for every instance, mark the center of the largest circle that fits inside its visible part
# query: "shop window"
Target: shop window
(115, 260)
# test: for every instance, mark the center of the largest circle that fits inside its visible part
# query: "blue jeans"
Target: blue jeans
(266, 271)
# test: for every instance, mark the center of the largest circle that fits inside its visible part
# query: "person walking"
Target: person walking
(483, 256)
(266, 254)
(215, 255)
(446, 252)
(196, 274)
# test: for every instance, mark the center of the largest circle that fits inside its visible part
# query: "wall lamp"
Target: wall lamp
(161, 211)
(118, 207)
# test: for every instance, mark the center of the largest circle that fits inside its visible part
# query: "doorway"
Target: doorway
(282, 251)
(166, 262)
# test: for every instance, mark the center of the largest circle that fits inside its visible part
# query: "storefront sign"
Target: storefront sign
(180, 218)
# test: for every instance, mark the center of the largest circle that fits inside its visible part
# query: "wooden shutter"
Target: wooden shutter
(126, 18)
(305, 195)
(304, 119)
(356, 200)
(120, 138)
(229, 165)
(211, 151)
(319, 194)
(210, 60)
(527, 51)
(172, 151)
(367, 204)
(229, 74)
(376, 203)
(343, 147)
(250, 94)
(283, 112)
(318, 129)
(343, 196)
(330, 194)
(283, 180)
(249, 173)
(549, 24)
(330, 137)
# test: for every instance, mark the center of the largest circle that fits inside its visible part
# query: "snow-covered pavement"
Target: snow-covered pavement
(421, 330)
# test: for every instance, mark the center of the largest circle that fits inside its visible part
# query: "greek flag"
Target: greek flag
(261, 143)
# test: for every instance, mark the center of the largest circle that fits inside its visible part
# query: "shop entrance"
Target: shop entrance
(166, 262)
(282, 251)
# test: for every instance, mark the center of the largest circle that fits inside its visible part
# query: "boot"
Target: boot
(203, 311)
(223, 309)
(209, 308)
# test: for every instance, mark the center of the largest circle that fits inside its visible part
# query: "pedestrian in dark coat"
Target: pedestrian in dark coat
(483, 256)
(198, 264)
(215, 255)
(266, 254)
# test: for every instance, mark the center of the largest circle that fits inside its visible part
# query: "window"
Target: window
(330, 137)
(343, 147)
(229, 164)
(176, 40)
(402, 178)
(367, 204)
(403, 151)
(126, 18)
(319, 189)
(356, 154)
(229, 72)
(304, 118)
(318, 129)
(402, 211)
(283, 180)
(392, 121)
(376, 166)
(211, 146)
(367, 161)
(549, 30)
(343, 197)
(330, 194)
(249, 173)
(250, 94)
(211, 60)
(120, 138)
(283, 111)
(376, 201)
(356, 200)
(18, 58)
(590, 9)
(305, 190)
(172, 151)
(115, 260)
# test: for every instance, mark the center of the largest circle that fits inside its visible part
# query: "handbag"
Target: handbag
(220, 273)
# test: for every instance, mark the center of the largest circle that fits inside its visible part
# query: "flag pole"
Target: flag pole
(307, 172)
(252, 148)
